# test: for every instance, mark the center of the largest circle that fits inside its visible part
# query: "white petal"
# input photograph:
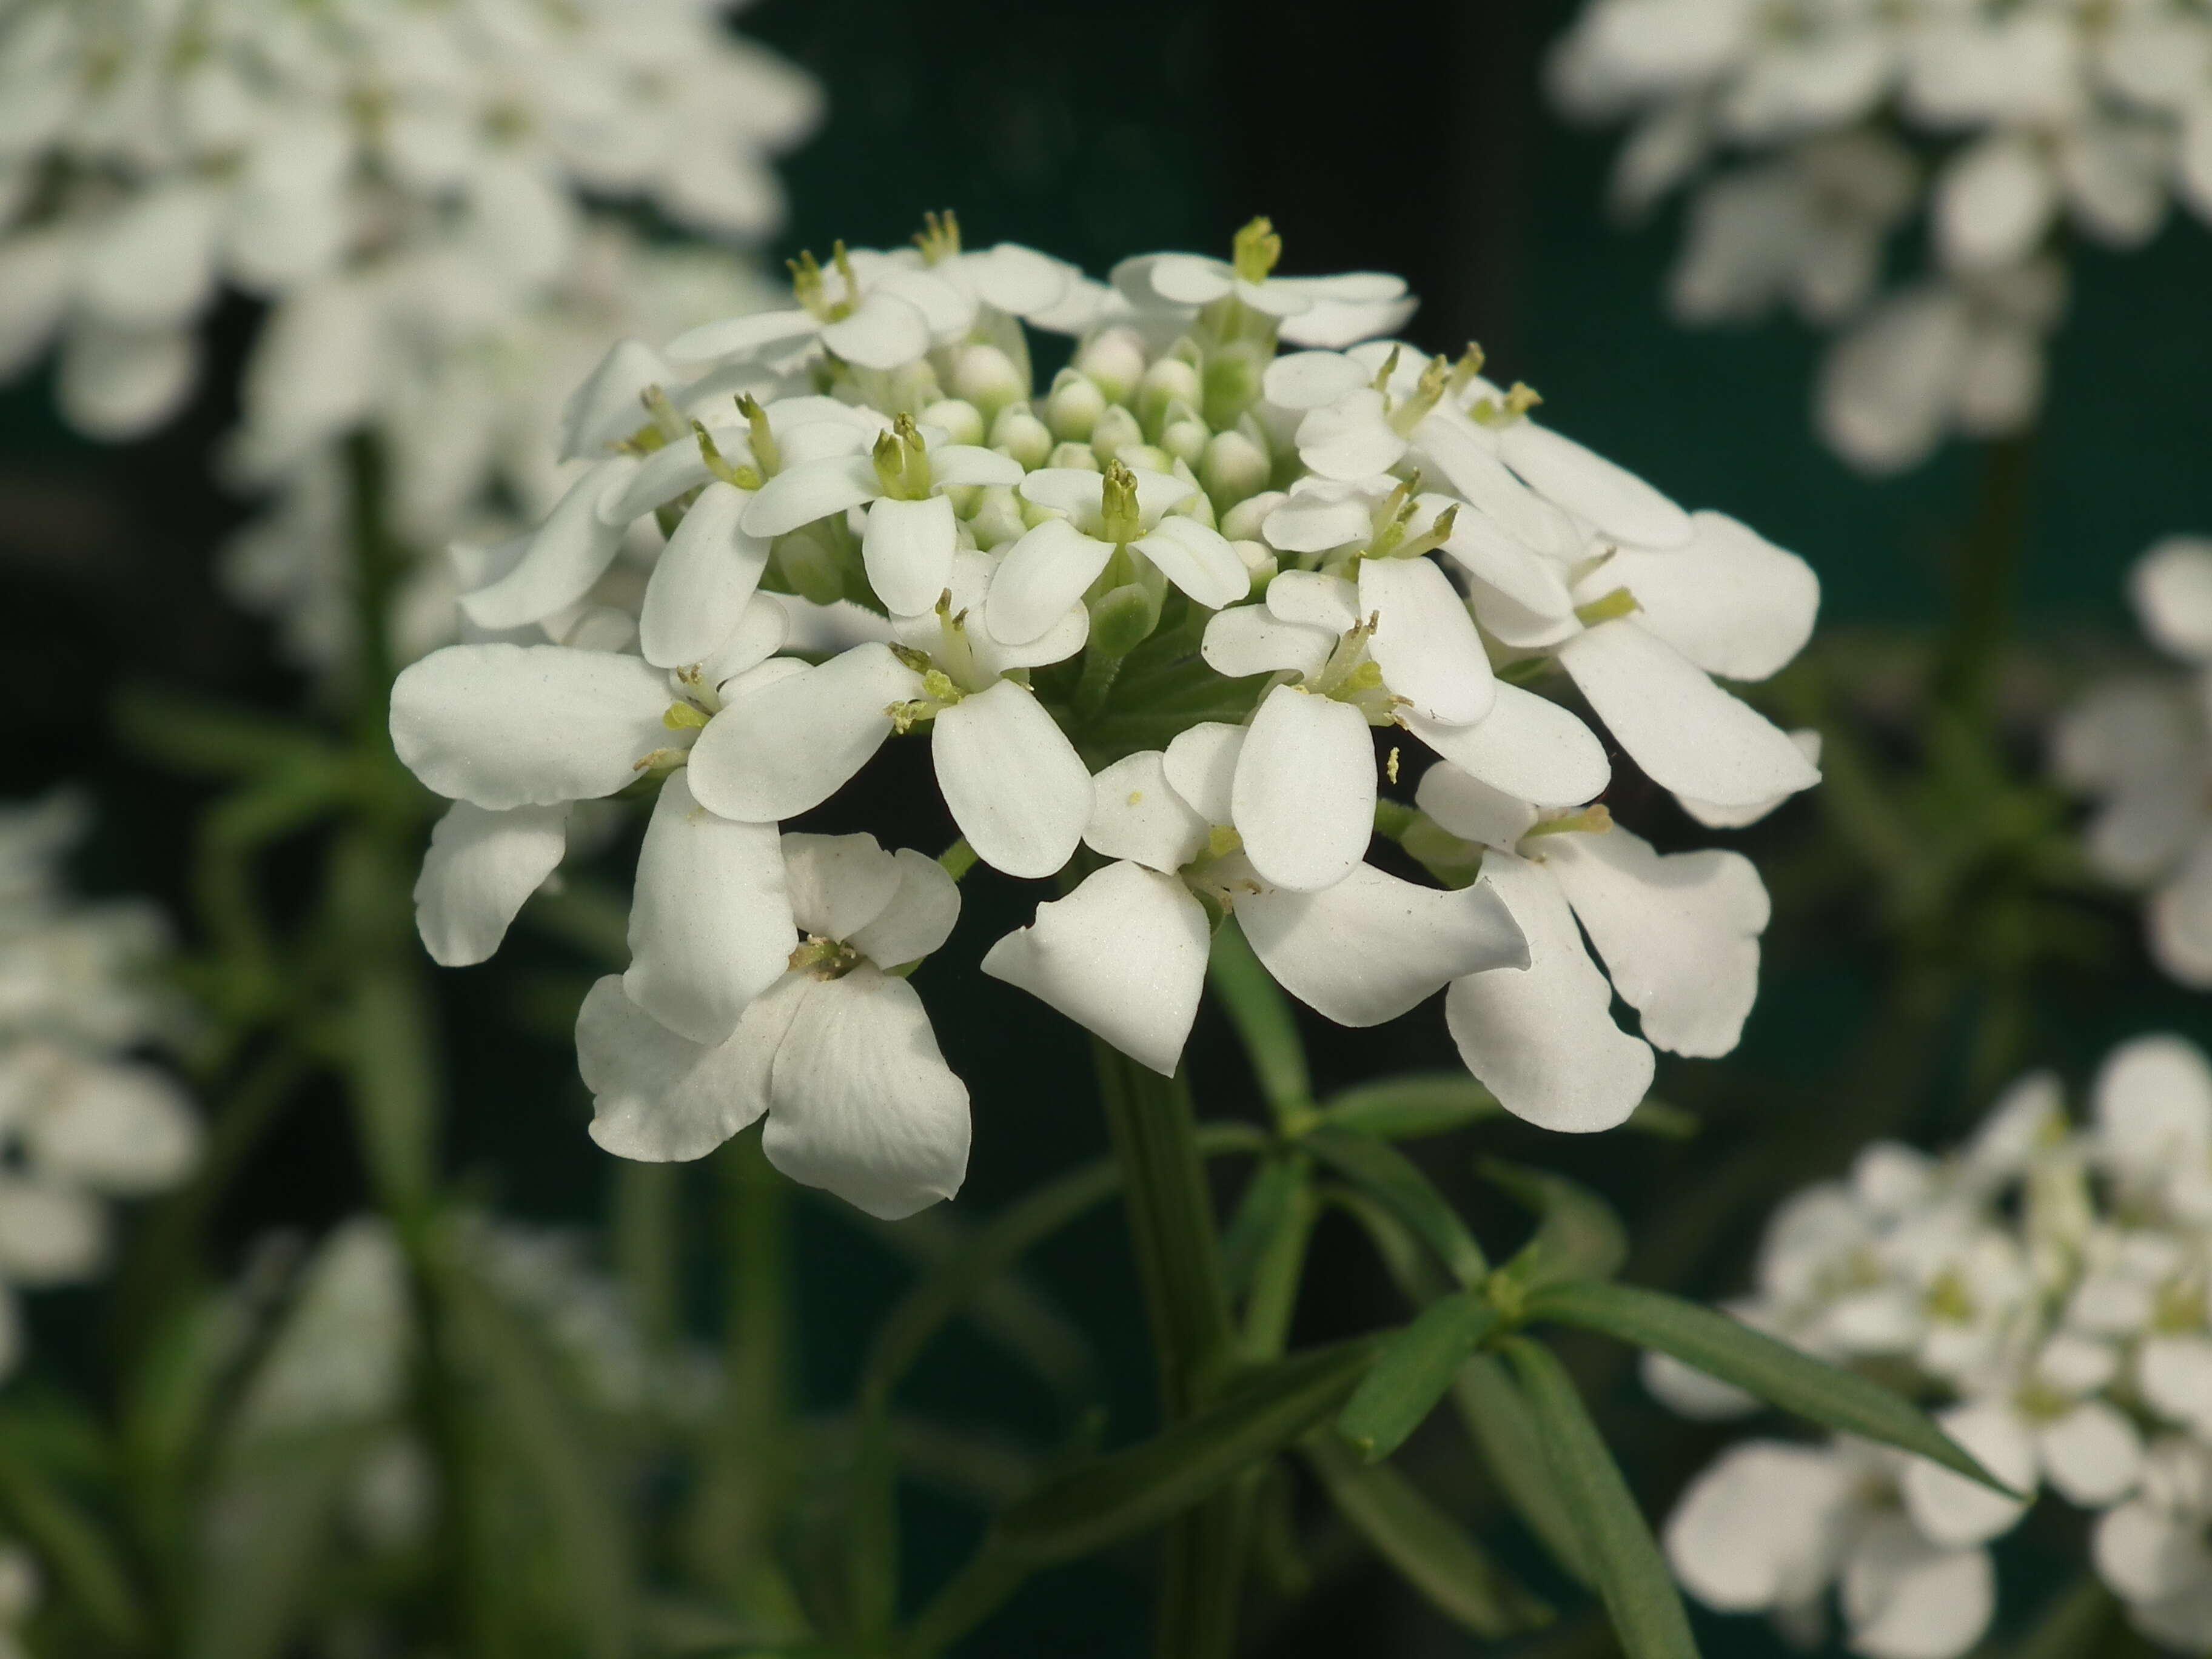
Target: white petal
(710, 924)
(761, 631)
(1471, 809)
(1950, 1509)
(2147, 1554)
(1686, 732)
(1122, 956)
(947, 310)
(1715, 817)
(801, 495)
(1731, 601)
(1456, 450)
(1014, 783)
(572, 549)
(1303, 796)
(1308, 380)
(1908, 1598)
(780, 751)
(863, 1103)
(121, 1128)
(1615, 500)
(839, 883)
(1042, 575)
(1185, 279)
(2171, 588)
(1480, 546)
(1137, 814)
(1075, 490)
(479, 869)
(1372, 946)
(1425, 640)
(505, 725)
(887, 331)
(657, 1097)
(1759, 1528)
(151, 265)
(1350, 439)
(2154, 1105)
(2092, 1455)
(908, 552)
(1543, 1041)
(1017, 279)
(954, 464)
(1249, 639)
(1312, 600)
(1679, 933)
(704, 579)
(1200, 764)
(605, 407)
(115, 384)
(1314, 520)
(49, 1235)
(1198, 560)
(1991, 204)
(1527, 746)
(919, 918)
(659, 479)
(2175, 1374)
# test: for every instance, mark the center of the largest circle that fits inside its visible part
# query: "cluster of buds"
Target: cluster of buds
(1150, 618)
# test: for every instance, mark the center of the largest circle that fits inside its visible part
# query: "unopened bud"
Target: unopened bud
(1241, 522)
(1114, 360)
(912, 387)
(1123, 619)
(1184, 436)
(808, 564)
(1196, 507)
(1151, 457)
(1021, 435)
(1074, 407)
(1170, 381)
(1081, 455)
(986, 378)
(1233, 469)
(1233, 372)
(961, 422)
(1259, 563)
(1114, 431)
(997, 519)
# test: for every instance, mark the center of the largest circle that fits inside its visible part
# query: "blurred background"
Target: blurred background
(1412, 138)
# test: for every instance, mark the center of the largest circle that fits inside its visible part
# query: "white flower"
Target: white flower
(1310, 311)
(2155, 1550)
(837, 1053)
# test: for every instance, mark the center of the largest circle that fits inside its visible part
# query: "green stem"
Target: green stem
(1172, 1233)
(1984, 580)
(376, 571)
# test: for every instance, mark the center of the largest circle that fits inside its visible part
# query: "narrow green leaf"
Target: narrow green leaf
(1497, 1419)
(1265, 1200)
(1775, 1371)
(1408, 1107)
(1631, 1576)
(1411, 1373)
(258, 1571)
(1133, 1491)
(1577, 1234)
(185, 734)
(2075, 1623)
(85, 1564)
(1261, 1014)
(1389, 1176)
(1423, 1543)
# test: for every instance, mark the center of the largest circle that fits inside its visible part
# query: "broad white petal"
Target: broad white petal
(1715, 817)
(1350, 439)
(1014, 783)
(1304, 795)
(801, 495)
(1471, 809)
(919, 918)
(605, 407)
(1249, 639)
(1906, 1598)
(1075, 490)
(1309, 379)
(839, 883)
(1314, 520)
(1137, 814)
(2147, 1554)
(1543, 1040)
(1467, 463)
(1187, 279)
(1992, 203)
(1615, 500)
(479, 869)
(503, 726)
(887, 331)
(1761, 1528)
(115, 1125)
(1527, 746)
(1954, 1512)
(1481, 547)
(49, 1235)
(1040, 577)
(908, 552)
(1312, 600)
(660, 1097)
(1686, 732)
(2093, 1455)
(1122, 956)
(704, 579)
(2153, 1104)
(761, 631)
(1425, 641)
(784, 750)
(572, 549)
(733, 337)
(2174, 1371)
(949, 311)
(1372, 946)
(710, 923)
(863, 1104)
(151, 264)
(1198, 560)
(953, 465)
(1200, 763)
(659, 479)
(2171, 588)
(1731, 602)
(1678, 932)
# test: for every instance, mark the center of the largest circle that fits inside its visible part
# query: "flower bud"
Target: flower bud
(1233, 469)
(1021, 435)
(911, 386)
(961, 422)
(1241, 522)
(1122, 619)
(986, 378)
(1114, 360)
(1259, 561)
(1184, 436)
(808, 563)
(1151, 457)
(1115, 430)
(1197, 507)
(1232, 380)
(1080, 455)
(1074, 407)
(997, 519)
(1169, 381)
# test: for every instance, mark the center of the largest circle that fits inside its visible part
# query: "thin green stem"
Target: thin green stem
(1984, 580)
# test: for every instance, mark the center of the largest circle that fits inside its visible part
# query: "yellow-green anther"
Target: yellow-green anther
(665, 418)
(940, 236)
(1382, 381)
(1469, 366)
(888, 457)
(766, 456)
(1221, 841)
(917, 660)
(1119, 519)
(684, 717)
(1607, 607)
(743, 477)
(824, 959)
(1257, 250)
(938, 684)
(1593, 820)
(806, 282)
(643, 441)
(915, 481)
(1522, 397)
(844, 263)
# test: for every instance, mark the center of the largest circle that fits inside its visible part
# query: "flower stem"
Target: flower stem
(1983, 581)
(1172, 1233)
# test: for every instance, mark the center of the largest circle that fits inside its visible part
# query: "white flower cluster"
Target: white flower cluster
(1155, 610)
(2142, 747)
(79, 1124)
(1815, 129)
(2051, 1287)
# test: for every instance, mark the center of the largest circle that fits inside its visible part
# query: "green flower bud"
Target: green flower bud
(809, 564)
(1114, 431)
(986, 378)
(961, 422)
(1169, 381)
(1151, 457)
(1021, 435)
(1241, 522)
(910, 387)
(1114, 360)
(1232, 380)
(1074, 407)
(1080, 455)
(1184, 436)
(997, 519)
(1198, 508)
(1122, 619)
(1233, 469)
